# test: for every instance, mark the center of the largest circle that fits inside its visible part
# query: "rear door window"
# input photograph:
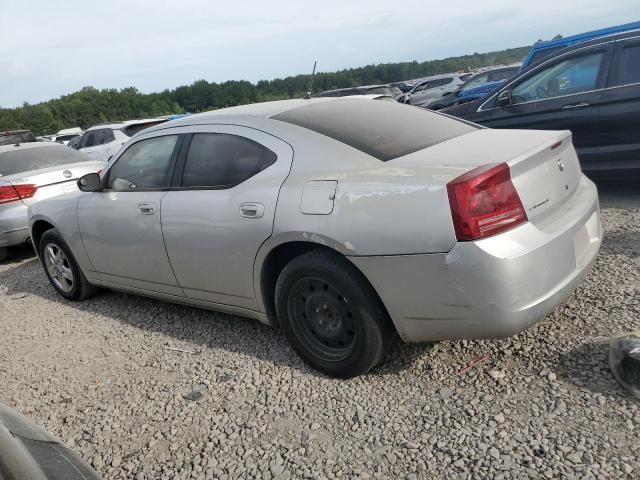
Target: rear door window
(217, 160)
(384, 130)
(630, 65)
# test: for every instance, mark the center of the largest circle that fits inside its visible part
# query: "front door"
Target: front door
(619, 148)
(564, 94)
(221, 210)
(120, 226)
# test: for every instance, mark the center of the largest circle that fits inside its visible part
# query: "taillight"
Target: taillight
(484, 202)
(13, 193)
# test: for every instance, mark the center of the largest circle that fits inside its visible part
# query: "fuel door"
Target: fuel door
(318, 197)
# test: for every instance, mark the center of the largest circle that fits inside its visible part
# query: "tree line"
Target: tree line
(91, 106)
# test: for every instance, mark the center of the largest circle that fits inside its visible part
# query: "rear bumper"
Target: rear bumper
(14, 226)
(494, 287)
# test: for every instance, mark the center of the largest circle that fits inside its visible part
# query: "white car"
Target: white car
(103, 141)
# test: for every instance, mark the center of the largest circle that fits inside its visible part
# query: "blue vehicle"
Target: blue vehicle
(542, 49)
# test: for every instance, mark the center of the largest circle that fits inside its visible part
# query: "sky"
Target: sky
(50, 49)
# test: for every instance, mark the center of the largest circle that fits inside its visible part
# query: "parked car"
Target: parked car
(433, 88)
(477, 86)
(543, 49)
(102, 141)
(342, 220)
(30, 172)
(364, 90)
(13, 137)
(29, 452)
(592, 89)
(63, 136)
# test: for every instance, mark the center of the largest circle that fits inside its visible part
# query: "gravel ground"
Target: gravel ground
(144, 389)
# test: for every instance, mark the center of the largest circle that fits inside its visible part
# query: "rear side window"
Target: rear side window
(217, 160)
(384, 130)
(28, 159)
(630, 67)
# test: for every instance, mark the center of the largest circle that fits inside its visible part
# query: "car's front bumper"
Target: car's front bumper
(495, 287)
(14, 226)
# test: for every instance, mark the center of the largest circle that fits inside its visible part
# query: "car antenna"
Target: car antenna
(308, 95)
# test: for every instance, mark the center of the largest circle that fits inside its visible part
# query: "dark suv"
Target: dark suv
(592, 89)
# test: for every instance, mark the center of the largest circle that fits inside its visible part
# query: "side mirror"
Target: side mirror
(90, 183)
(504, 99)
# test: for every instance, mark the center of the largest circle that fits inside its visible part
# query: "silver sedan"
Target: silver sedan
(344, 221)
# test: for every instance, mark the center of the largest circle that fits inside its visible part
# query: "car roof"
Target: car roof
(260, 110)
(28, 145)
(581, 45)
(593, 35)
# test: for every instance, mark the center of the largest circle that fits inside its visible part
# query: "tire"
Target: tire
(3, 254)
(62, 269)
(331, 315)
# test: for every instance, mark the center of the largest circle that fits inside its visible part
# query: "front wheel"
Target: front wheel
(61, 268)
(331, 315)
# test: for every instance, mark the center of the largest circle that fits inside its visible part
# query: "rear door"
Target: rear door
(221, 209)
(619, 148)
(562, 94)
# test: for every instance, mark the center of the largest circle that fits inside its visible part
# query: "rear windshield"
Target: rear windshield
(379, 90)
(384, 130)
(13, 138)
(23, 160)
(131, 130)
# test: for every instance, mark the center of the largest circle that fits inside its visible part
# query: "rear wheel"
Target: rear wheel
(3, 254)
(331, 315)
(61, 268)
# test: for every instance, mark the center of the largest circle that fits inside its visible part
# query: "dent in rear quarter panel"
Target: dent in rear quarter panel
(61, 212)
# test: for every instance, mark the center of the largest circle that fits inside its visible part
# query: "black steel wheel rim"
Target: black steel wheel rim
(322, 318)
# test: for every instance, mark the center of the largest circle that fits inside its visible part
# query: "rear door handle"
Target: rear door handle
(251, 210)
(575, 106)
(146, 208)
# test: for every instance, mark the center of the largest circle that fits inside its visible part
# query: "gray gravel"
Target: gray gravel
(144, 389)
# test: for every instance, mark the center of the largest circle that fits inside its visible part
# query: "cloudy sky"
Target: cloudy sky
(53, 48)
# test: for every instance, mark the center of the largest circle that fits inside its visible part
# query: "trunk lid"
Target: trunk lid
(54, 181)
(544, 166)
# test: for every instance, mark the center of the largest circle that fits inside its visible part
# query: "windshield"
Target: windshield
(23, 160)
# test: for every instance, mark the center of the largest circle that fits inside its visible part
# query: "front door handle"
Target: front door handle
(574, 106)
(146, 208)
(252, 210)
